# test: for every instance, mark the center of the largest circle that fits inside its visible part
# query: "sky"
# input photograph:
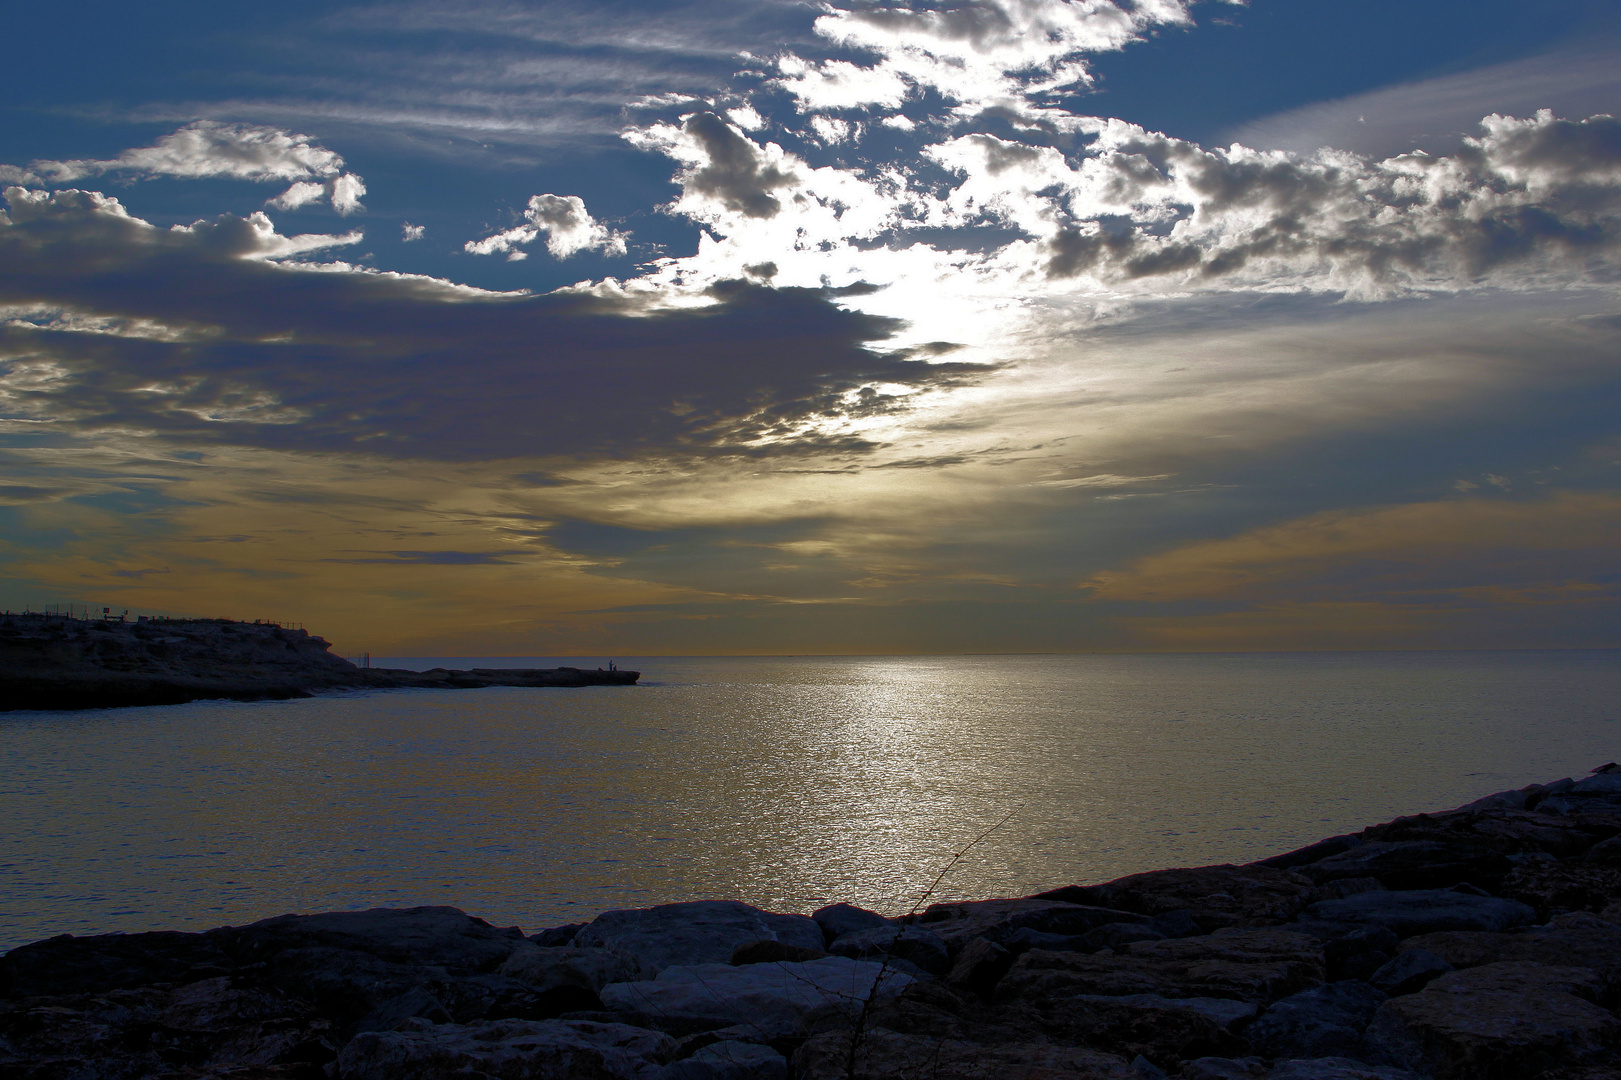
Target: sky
(858, 327)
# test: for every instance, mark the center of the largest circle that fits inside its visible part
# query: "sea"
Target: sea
(785, 782)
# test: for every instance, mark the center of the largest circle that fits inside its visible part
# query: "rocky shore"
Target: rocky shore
(54, 662)
(1482, 943)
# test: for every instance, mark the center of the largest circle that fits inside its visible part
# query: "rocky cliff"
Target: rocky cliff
(52, 662)
(1482, 943)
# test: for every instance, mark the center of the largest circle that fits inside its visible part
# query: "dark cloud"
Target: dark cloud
(736, 174)
(436, 558)
(201, 336)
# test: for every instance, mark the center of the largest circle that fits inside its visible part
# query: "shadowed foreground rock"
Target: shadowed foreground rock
(53, 662)
(1477, 944)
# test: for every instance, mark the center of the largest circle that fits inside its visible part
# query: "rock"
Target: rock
(1337, 1068)
(1325, 1021)
(151, 1031)
(1024, 939)
(1605, 853)
(1217, 1068)
(1574, 940)
(922, 947)
(958, 923)
(1551, 887)
(1216, 896)
(1410, 971)
(839, 919)
(1311, 853)
(566, 978)
(1115, 935)
(89, 965)
(772, 998)
(1358, 954)
(698, 932)
(1462, 948)
(1412, 864)
(772, 952)
(1502, 1021)
(1510, 832)
(1162, 1029)
(979, 966)
(1425, 911)
(1223, 1012)
(1176, 923)
(1255, 965)
(890, 1055)
(730, 1060)
(557, 935)
(508, 1050)
(442, 937)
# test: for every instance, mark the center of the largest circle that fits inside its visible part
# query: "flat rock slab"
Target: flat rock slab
(508, 1050)
(1425, 911)
(730, 1059)
(1217, 896)
(443, 937)
(699, 932)
(889, 1055)
(1337, 1068)
(1253, 965)
(774, 999)
(1502, 1021)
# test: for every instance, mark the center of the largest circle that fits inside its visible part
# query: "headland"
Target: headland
(59, 662)
(1482, 943)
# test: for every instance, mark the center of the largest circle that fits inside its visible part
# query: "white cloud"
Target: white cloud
(568, 227)
(208, 148)
(301, 193)
(410, 232)
(346, 192)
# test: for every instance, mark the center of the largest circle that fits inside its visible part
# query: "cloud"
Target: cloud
(723, 167)
(1436, 115)
(208, 148)
(410, 232)
(567, 226)
(262, 350)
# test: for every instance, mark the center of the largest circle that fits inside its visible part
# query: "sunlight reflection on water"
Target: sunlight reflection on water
(783, 782)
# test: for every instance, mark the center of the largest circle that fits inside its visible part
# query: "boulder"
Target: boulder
(1501, 1021)
(772, 952)
(1163, 1030)
(441, 937)
(1411, 970)
(1462, 948)
(839, 919)
(1251, 965)
(1216, 896)
(730, 1059)
(91, 965)
(979, 966)
(508, 1050)
(1412, 864)
(890, 1055)
(1358, 954)
(1219, 1068)
(697, 932)
(203, 1025)
(1337, 1068)
(566, 978)
(916, 944)
(1573, 940)
(1311, 853)
(958, 923)
(774, 999)
(1425, 911)
(1325, 1021)
(1508, 831)
(557, 935)
(1551, 887)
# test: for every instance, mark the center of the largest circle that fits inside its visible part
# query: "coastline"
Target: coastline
(1478, 942)
(58, 663)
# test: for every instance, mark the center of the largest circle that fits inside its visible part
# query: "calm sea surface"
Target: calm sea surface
(784, 782)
